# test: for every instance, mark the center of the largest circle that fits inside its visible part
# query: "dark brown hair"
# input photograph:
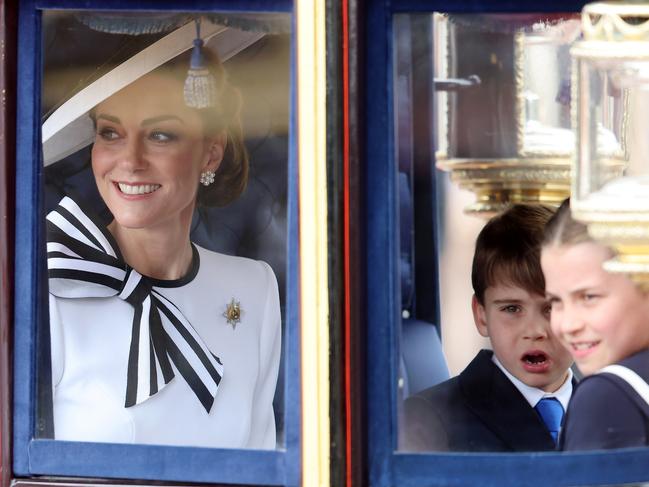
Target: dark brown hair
(508, 250)
(232, 175)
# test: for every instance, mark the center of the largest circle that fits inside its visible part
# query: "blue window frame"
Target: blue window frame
(387, 467)
(32, 456)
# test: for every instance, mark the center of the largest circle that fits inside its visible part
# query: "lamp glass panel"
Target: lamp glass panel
(611, 124)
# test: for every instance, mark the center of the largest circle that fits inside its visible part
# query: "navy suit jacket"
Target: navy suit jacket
(605, 412)
(479, 410)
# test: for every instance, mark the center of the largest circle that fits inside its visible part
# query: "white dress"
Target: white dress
(90, 345)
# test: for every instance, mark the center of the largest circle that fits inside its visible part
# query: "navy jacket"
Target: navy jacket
(479, 410)
(605, 412)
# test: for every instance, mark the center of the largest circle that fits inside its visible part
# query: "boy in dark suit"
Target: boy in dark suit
(511, 399)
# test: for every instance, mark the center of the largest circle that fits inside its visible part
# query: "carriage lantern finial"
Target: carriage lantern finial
(610, 189)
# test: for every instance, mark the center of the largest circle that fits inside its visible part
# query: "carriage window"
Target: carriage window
(482, 118)
(165, 162)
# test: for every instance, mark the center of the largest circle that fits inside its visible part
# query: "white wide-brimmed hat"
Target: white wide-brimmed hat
(70, 128)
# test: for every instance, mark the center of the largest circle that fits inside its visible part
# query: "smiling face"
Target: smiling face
(518, 326)
(601, 317)
(149, 152)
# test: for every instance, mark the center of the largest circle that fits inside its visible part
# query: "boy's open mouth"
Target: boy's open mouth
(535, 361)
(535, 358)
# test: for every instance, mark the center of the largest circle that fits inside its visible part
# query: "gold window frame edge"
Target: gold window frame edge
(314, 304)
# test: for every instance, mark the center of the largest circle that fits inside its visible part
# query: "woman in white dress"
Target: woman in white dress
(153, 339)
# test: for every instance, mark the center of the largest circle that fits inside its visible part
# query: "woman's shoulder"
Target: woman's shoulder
(210, 258)
(235, 269)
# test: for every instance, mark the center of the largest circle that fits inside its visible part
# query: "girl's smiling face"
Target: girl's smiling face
(149, 152)
(600, 317)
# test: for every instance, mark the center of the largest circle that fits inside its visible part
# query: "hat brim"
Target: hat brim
(70, 128)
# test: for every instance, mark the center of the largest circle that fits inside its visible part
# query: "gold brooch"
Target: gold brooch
(232, 313)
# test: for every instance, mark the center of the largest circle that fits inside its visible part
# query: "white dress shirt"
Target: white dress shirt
(533, 394)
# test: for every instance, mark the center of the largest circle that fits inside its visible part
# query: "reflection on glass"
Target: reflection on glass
(165, 188)
(546, 93)
(613, 147)
(500, 120)
(504, 106)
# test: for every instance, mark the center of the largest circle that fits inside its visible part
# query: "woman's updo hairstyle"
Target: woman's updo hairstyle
(232, 175)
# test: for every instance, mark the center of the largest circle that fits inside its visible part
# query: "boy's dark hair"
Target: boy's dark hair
(508, 250)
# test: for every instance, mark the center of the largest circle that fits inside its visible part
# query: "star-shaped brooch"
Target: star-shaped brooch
(232, 313)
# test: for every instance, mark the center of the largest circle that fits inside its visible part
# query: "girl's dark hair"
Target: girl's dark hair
(563, 229)
(232, 175)
(507, 250)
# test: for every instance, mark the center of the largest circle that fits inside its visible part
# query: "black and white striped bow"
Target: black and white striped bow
(84, 262)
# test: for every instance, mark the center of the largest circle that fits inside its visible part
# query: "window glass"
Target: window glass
(165, 169)
(482, 115)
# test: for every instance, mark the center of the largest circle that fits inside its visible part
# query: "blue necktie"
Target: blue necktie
(551, 412)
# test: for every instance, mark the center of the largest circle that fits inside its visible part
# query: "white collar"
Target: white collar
(533, 394)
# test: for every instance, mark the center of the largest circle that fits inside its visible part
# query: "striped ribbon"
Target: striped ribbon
(84, 262)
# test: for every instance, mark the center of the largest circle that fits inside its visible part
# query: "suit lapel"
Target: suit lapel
(501, 407)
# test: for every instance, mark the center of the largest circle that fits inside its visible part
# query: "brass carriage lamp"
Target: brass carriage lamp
(503, 111)
(610, 189)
